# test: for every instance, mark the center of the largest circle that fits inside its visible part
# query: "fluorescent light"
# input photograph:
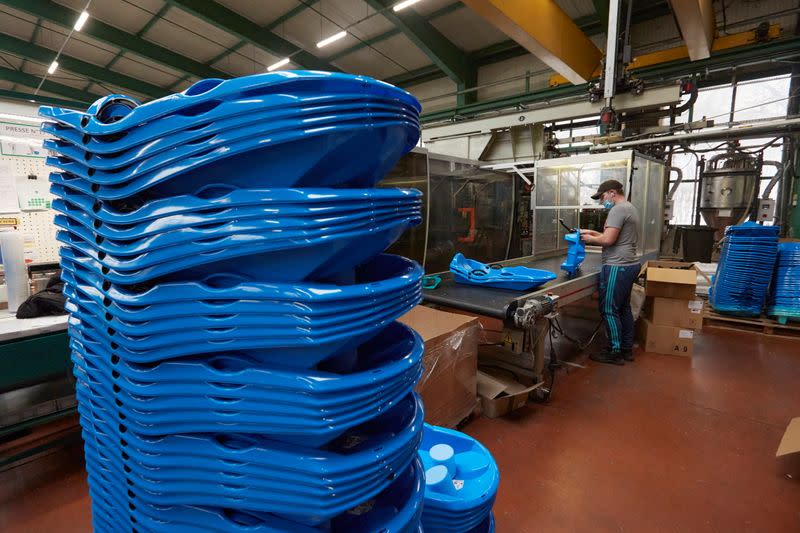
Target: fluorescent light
(332, 39)
(404, 4)
(81, 21)
(52, 68)
(278, 65)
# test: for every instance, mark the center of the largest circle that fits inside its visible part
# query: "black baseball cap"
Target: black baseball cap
(608, 185)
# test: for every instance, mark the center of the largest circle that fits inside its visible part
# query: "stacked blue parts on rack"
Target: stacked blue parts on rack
(471, 272)
(576, 253)
(784, 300)
(745, 269)
(232, 317)
(461, 479)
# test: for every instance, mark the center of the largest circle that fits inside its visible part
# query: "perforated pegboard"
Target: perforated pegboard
(23, 160)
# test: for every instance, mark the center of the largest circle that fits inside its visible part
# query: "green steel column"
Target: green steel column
(794, 201)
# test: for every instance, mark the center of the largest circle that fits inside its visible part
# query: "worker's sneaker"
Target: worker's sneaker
(612, 358)
(627, 354)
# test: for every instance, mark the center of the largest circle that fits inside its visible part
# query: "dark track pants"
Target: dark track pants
(616, 283)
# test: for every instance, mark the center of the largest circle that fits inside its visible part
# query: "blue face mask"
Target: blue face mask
(608, 204)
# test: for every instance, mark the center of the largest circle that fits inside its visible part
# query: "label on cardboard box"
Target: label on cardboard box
(696, 306)
(686, 334)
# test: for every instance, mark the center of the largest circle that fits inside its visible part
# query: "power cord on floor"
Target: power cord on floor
(582, 345)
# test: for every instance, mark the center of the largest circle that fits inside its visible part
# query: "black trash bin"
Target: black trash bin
(698, 243)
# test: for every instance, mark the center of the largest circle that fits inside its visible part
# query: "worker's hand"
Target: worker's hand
(589, 232)
(586, 237)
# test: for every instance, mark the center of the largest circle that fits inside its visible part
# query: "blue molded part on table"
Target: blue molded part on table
(576, 253)
(473, 272)
(395, 510)
(745, 269)
(202, 97)
(128, 147)
(448, 507)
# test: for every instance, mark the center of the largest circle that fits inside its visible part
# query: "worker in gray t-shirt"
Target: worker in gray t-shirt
(620, 270)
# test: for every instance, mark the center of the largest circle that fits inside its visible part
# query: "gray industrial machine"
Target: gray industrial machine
(563, 190)
(468, 209)
(728, 188)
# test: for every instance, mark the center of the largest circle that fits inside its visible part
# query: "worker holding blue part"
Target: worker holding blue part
(620, 270)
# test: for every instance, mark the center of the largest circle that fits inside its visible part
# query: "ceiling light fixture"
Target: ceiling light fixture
(279, 64)
(404, 4)
(332, 39)
(52, 68)
(84, 16)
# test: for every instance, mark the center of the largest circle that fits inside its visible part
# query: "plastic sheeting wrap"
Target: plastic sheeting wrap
(745, 269)
(238, 361)
(785, 294)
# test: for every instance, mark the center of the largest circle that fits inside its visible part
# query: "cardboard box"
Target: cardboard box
(449, 381)
(677, 313)
(490, 330)
(666, 340)
(670, 279)
(500, 392)
(788, 453)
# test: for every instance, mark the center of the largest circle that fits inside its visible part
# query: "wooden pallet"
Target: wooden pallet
(763, 325)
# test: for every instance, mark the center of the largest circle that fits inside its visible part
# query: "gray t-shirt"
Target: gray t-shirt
(623, 252)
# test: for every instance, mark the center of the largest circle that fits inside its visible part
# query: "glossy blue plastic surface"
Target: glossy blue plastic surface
(252, 154)
(462, 499)
(745, 269)
(204, 96)
(237, 361)
(473, 272)
(290, 259)
(220, 200)
(395, 510)
(576, 253)
(784, 299)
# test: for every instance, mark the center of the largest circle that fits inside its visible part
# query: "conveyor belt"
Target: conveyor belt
(500, 303)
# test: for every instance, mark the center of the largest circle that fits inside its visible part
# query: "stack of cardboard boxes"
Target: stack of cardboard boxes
(672, 313)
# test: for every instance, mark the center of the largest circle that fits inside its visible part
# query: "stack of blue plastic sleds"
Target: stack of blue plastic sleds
(233, 333)
(745, 269)
(784, 299)
(461, 479)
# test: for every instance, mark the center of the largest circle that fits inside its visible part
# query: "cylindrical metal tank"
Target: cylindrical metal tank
(729, 186)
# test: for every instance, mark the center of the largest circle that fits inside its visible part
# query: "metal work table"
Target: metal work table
(501, 303)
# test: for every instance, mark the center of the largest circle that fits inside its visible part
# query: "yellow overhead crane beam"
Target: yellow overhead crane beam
(682, 52)
(543, 28)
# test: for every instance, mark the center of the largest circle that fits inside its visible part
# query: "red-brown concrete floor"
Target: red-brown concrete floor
(663, 444)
